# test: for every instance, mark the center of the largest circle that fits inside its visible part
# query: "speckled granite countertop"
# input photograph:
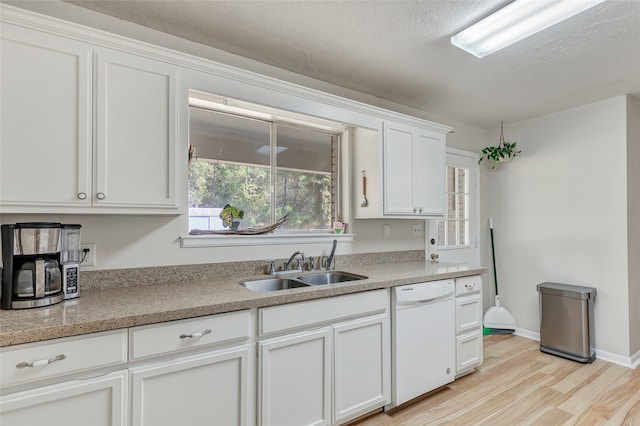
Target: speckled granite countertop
(114, 308)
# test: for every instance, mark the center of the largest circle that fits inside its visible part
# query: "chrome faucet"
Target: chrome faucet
(288, 262)
(329, 260)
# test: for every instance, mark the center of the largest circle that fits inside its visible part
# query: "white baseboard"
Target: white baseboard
(630, 362)
(527, 334)
(635, 360)
(615, 358)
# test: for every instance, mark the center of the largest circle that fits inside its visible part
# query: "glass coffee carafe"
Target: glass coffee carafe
(37, 279)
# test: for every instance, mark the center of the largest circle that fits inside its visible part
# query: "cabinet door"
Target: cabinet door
(136, 138)
(362, 369)
(398, 169)
(429, 172)
(100, 401)
(468, 313)
(295, 379)
(45, 136)
(211, 388)
(468, 351)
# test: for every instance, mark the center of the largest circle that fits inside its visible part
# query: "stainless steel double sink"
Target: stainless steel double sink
(284, 283)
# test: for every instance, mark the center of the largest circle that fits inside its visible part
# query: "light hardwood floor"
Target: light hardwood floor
(519, 385)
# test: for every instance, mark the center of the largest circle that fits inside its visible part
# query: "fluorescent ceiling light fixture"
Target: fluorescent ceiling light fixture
(516, 21)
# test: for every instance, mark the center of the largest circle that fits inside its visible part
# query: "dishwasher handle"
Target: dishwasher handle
(425, 301)
(409, 303)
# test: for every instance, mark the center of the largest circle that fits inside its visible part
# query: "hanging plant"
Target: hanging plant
(503, 152)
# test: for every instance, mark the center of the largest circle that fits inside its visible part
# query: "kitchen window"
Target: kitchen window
(265, 162)
(453, 232)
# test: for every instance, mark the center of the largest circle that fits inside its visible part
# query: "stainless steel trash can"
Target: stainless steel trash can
(566, 321)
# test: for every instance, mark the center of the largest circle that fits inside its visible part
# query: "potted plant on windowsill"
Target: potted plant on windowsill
(504, 151)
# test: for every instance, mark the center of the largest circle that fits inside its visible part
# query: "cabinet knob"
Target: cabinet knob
(415, 209)
(82, 195)
(470, 286)
(100, 196)
(420, 209)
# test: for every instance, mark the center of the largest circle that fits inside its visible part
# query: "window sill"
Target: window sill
(190, 241)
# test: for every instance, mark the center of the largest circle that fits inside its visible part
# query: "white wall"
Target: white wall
(560, 215)
(633, 217)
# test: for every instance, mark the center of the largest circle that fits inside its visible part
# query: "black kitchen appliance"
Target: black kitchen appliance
(31, 274)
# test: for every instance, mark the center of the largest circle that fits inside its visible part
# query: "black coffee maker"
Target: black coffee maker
(31, 276)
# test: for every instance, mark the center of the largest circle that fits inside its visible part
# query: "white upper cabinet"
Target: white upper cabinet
(429, 166)
(85, 131)
(136, 137)
(399, 182)
(94, 123)
(405, 171)
(414, 171)
(45, 137)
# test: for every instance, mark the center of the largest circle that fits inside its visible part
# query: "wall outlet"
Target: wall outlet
(88, 253)
(417, 230)
(386, 231)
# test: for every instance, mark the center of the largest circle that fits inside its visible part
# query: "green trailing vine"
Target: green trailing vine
(502, 152)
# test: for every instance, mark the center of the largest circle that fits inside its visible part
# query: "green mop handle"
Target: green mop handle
(493, 255)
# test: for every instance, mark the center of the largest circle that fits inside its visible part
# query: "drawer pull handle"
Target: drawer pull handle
(198, 334)
(41, 363)
(472, 285)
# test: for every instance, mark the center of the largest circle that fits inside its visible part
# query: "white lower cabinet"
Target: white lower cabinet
(469, 352)
(362, 370)
(295, 380)
(468, 313)
(196, 371)
(331, 365)
(319, 362)
(98, 401)
(193, 390)
(469, 340)
(190, 372)
(74, 381)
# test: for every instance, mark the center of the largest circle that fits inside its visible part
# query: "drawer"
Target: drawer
(468, 351)
(174, 336)
(57, 357)
(468, 285)
(311, 314)
(468, 313)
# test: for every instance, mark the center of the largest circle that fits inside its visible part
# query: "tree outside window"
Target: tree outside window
(240, 159)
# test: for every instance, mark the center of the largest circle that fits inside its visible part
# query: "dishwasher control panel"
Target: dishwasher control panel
(424, 292)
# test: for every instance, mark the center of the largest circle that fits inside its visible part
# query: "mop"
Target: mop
(497, 320)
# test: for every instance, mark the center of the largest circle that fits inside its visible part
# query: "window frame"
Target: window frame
(303, 236)
(467, 216)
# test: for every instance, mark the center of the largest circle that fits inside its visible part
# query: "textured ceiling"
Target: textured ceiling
(400, 50)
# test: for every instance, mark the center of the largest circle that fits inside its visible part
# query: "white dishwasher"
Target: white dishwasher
(423, 345)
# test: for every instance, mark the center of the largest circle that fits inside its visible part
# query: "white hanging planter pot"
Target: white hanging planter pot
(503, 152)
